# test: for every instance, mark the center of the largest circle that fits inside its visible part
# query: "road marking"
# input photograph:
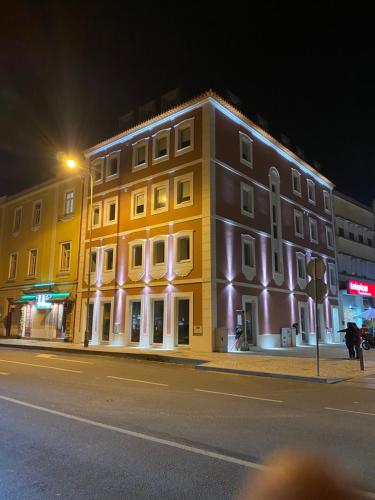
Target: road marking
(352, 411)
(136, 380)
(140, 435)
(39, 366)
(4, 373)
(53, 356)
(240, 396)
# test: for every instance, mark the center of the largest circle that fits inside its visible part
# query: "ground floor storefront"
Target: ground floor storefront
(355, 298)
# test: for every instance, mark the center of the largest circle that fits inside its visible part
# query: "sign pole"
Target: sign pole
(316, 321)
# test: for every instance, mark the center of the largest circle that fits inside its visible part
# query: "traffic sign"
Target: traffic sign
(321, 290)
(316, 268)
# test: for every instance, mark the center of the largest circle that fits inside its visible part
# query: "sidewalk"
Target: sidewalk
(333, 368)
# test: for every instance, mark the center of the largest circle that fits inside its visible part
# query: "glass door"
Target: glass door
(158, 321)
(106, 321)
(91, 320)
(249, 322)
(135, 328)
(183, 326)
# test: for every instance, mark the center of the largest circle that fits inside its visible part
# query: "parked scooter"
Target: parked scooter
(368, 342)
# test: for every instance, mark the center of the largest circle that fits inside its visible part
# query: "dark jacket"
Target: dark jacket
(349, 335)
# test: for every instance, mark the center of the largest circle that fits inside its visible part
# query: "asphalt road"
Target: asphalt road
(96, 427)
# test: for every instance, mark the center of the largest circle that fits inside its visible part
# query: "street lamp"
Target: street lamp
(73, 164)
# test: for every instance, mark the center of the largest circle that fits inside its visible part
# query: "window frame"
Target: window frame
(185, 266)
(327, 197)
(66, 192)
(135, 273)
(154, 187)
(14, 230)
(313, 222)
(97, 165)
(158, 270)
(135, 146)
(133, 194)
(160, 134)
(248, 189)
(106, 210)
(248, 270)
(67, 269)
(244, 138)
(311, 184)
(188, 123)
(29, 261)
(13, 277)
(106, 249)
(331, 268)
(35, 226)
(298, 215)
(301, 280)
(111, 156)
(98, 204)
(182, 178)
(329, 230)
(296, 175)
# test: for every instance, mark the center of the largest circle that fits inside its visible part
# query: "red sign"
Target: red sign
(360, 288)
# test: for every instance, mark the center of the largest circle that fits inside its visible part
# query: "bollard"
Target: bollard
(361, 360)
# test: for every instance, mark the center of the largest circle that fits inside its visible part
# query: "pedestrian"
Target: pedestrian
(357, 340)
(349, 339)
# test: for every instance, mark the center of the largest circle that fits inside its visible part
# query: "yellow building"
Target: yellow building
(39, 246)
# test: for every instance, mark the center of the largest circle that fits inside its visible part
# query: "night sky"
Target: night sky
(69, 70)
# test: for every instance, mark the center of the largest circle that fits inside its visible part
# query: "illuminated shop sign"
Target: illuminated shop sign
(360, 288)
(43, 301)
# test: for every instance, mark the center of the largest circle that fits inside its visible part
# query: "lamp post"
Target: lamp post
(72, 164)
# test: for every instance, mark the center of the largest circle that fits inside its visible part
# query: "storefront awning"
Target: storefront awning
(43, 297)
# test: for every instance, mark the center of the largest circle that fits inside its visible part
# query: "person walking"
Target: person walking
(357, 340)
(349, 339)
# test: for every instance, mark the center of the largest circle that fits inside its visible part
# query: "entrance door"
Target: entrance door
(135, 317)
(106, 321)
(157, 321)
(304, 326)
(59, 324)
(91, 320)
(249, 322)
(183, 321)
(335, 324)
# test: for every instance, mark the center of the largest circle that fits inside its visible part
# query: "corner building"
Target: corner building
(197, 213)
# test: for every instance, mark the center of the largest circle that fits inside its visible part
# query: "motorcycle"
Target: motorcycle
(368, 342)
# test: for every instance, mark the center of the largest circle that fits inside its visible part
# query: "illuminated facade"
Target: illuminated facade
(39, 244)
(197, 213)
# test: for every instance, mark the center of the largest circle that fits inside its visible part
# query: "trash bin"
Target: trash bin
(221, 339)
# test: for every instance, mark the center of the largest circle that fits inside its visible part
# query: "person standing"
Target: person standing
(349, 339)
(357, 340)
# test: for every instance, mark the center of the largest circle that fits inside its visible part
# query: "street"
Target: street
(95, 427)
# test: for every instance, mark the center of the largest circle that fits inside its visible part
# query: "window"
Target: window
(69, 202)
(298, 224)
(332, 277)
(137, 256)
(113, 162)
(65, 255)
(341, 231)
(360, 238)
(136, 267)
(296, 182)
(37, 214)
(183, 190)
(311, 191)
(138, 203)
(97, 170)
(93, 261)
(108, 259)
(12, 266)
(351, 236)
(184, 136)
(369, 242)
(161, 146)
(327, 201)
(276, 227)
(329, 238)
(158, 252)
(110, 211)
(248, 256)
(301, 266)
(246, 150)
(313, 231)
(96, 215)
(183, 253)
(140, 150)
(17, 220)
(183, 248)
(247, 200)
(160, 197)
(31, 266)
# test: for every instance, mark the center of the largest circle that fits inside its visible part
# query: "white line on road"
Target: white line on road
(351, 411)
(39, 366)
(136, 380)
(4, 373)
(57, 358)
(240, 396)
(140, 435)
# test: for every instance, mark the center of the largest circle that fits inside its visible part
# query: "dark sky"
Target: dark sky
(70, 69)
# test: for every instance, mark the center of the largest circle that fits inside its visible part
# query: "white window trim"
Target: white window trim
(15, 232)
(332, 270)
(302, 282)
(97, 204)
(183, 268)
(327, 197)
(189, 122)
(150, 313)
(311, 223)
(29, 274)
(245, 138)
(135, 145)
(60, 256)
(182, 178)
(162, 133)
(249, 189)
(94, 274)
(298, 214)
(107, 275)
(329, 230)
(107, 203)
(35, 227)
(175, 297)
(132, 205)
(128, 318)
(153, 189)
(113, 154)
(95, 320)
(276, 243)
(248, 271)
(10, 266)
(157, 271)
(102, 301)
(296, 174)
(311, 184)
(136, 273)
(98, 165)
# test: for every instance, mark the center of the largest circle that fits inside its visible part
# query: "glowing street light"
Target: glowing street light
(71, 163)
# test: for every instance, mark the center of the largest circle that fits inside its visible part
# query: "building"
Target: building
(355, 242)
(198, 213)
(39, 244)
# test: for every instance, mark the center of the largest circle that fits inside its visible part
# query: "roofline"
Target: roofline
(223, 106)
(352, 200)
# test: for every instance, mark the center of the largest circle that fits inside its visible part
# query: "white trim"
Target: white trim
(329, 230)
(245, 139)
(302, 281)
(128, 318)
(35, 227)
(250, 190)
(248, 271)
(174, 315)
(313, 222)
(183, 267)
(331, 268)
(158, 270)
(311, 190)
(111, 156)
(96, 166)
(102, 301)
(298, 215)
(154, 187)
(183, 178)
(97, 204)
(253, 299)
(327, 197)
(188, 123)
(29, 274)
(61, 243)
(133, 194)
(151, 298)
(159, 135)
(296, 175)
(107, 203)
(135, 273)
(137, 145)
(16, 232)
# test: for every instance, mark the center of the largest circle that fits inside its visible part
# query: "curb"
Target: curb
(141, 355)
(302, 378)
